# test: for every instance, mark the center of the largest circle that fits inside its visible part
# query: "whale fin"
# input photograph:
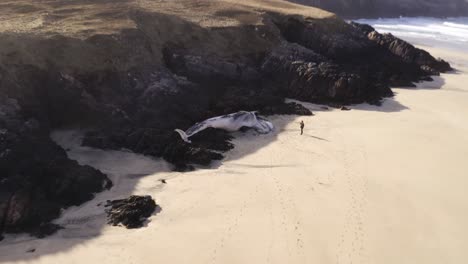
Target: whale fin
(199, 127)
(263, 126)
(183, 135)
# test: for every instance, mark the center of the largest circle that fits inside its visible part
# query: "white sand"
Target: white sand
(372, 185)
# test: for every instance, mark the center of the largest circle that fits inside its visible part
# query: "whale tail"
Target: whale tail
(183, 135)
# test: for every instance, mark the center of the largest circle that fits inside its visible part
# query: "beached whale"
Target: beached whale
(231, 122)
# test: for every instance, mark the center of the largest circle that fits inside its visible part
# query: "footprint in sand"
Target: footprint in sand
(82, 219)
(232, 219)
(351, 242)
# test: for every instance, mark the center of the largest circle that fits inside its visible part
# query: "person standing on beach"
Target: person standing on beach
(302, 127)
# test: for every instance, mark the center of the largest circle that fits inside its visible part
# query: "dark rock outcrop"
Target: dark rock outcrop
(37, 180)
(341, 63)
(286, 109)
(407, 52)
(131, 212)
(206, 146)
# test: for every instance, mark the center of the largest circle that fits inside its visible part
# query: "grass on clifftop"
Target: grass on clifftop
(84, 18)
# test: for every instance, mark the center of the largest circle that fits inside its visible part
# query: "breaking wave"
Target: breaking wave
(451, 32)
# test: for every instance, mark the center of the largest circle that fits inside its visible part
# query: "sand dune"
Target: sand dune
(372, 185)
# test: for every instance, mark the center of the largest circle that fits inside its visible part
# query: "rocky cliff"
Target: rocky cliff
(391, 8)
(132, 71)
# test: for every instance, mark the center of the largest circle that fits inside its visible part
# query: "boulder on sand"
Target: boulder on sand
(130, 212)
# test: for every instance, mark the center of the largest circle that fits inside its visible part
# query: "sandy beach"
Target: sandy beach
(371, 185)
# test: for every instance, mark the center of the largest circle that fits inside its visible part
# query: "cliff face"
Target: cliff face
(391, 8)
(154, 66)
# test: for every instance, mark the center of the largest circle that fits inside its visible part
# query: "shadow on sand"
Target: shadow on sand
(389, 105)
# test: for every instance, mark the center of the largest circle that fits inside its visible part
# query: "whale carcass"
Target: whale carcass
(231, 122)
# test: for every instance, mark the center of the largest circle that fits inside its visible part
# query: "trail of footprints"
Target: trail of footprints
(232, 218)
(351, 240)
(81, 220)
(273, 233)
(288, 221)
(196, 203)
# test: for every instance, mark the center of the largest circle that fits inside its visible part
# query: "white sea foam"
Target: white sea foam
(450, 32)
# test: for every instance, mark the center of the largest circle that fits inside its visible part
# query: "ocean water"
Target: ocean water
(449, 33)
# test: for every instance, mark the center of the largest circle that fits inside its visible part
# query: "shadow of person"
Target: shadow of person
(315, 137)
